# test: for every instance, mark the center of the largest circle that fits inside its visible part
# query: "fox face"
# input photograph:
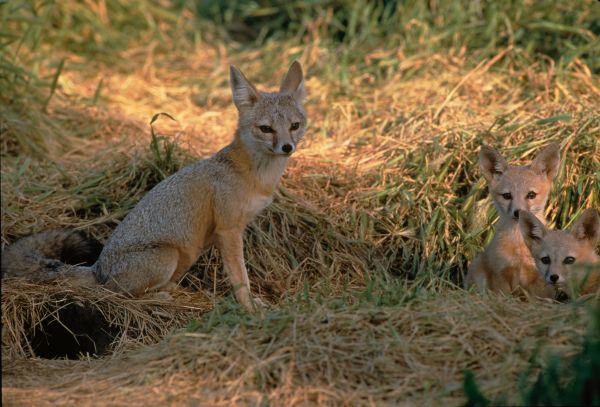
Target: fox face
(519, 188)
(559, 253)
(271, 123)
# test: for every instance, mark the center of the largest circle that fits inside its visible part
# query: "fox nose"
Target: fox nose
(287, 148)
(516, 214)
(554, 278)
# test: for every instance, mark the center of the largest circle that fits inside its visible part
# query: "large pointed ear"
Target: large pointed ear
(491, 162)
(294, 82)
(532, 229)
(244, 93)
(547, 161)
(587, 227)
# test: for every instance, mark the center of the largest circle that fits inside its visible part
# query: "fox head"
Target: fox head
(557, 253)
(272, 123)
(516, 188)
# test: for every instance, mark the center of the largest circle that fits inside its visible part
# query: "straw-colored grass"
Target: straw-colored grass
(308, 353)
(26, 306)
(370, 233)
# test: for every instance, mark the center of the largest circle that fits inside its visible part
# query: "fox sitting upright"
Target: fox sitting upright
(209, 202)
(506, 264)
(565, 259)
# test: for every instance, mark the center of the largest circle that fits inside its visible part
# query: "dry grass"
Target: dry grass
(327, 354)
(27, 306)
(360, 254)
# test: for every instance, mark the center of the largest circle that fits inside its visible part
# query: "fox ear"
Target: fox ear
(294, 82)
(547, 161)
(587, 226)
(244, 93)
(532, 229)
(491, 162)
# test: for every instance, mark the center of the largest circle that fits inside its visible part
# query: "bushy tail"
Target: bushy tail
(52, 254)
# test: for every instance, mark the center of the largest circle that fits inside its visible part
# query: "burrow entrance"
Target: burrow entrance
(73, 331)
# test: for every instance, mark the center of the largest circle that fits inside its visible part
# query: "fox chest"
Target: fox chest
(255, 205)
(516, 258)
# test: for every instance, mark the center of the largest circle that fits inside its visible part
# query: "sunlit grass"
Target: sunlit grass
(383, 205)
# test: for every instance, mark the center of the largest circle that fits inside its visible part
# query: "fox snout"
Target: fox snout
(517, 205)
(284, 148)
(282, 142)
(514, 212)
(554, 278)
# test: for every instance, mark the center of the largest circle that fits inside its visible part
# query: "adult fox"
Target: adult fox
(209, 202)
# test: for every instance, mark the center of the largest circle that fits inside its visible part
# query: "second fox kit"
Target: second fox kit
(506, 263)
(565, 258)
(209, 202)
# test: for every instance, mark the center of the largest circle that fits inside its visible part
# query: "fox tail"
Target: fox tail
(51, 255)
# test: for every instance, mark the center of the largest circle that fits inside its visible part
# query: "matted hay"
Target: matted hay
(29, 309)
(331, 354)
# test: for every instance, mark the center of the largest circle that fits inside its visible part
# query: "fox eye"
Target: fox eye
(266, 129)
(545, 260)
(295, 126)
(569, 260)
(507, 196)
(531, 195)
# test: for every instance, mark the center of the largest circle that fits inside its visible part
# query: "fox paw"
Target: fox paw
(259, 304)
(159, 295)
(254, 304)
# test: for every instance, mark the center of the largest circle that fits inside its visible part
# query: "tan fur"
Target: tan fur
(212, 201)
(506, 264)
(553, 251)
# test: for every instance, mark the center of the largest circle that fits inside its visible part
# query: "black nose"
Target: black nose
(287, 148)
(516, 214)
(554, 278)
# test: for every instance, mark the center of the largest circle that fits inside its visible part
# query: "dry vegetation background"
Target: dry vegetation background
(363, 250)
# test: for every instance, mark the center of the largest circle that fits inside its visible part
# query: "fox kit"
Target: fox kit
(209, 202)
(506, 263)
(565, 258)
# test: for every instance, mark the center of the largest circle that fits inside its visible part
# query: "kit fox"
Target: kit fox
(565, 258)
(209, 202)
(506, 264)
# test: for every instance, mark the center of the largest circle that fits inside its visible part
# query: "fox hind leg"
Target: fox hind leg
(142, 271)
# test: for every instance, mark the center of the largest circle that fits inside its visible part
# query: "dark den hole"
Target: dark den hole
(81, 331)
